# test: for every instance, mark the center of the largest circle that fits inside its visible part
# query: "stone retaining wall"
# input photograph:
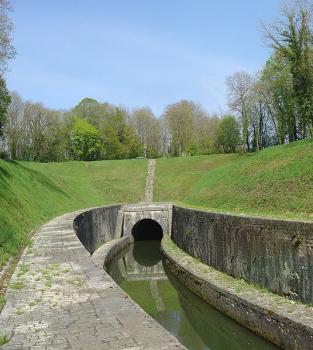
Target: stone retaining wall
(281, 321)
(96, 226)
(276, 254)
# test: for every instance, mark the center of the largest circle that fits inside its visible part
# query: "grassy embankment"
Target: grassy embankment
(276, 182)
(32, 193)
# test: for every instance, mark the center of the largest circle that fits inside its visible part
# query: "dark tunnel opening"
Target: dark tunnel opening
(147, 230)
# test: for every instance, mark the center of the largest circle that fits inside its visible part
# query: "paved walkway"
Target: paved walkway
(58, 299)
(150, 180)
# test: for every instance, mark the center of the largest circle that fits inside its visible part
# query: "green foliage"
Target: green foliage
(4, 103)
(119, 139)
(277, 78)
(84, 141)
(292, 40)
(91, 110)
(4, 339)
(228, 134)
(32, 193)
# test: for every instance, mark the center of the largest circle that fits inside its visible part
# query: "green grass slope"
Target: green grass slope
(32, 193)
(176, 176)
(275, 182)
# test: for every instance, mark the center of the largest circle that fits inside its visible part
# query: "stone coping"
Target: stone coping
(144, 206)
(266, 218)
(104, 254)
(284, 322)
(58, 299)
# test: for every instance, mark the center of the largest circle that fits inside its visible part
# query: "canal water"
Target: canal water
(140, 273)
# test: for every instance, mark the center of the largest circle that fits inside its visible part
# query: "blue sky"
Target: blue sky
(135, 52)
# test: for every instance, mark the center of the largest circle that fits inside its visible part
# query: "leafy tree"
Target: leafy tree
(228, 134)
(91, 110)
(5, 100)
(291, 38)
(119, 139)
(84, 141)
(276, 78)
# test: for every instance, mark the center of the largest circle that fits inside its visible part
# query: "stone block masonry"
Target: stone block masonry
(275, 254)
(96, 226)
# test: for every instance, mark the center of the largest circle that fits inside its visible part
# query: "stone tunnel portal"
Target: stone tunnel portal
(147, 229)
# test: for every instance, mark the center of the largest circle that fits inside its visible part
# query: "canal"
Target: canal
(139, 271)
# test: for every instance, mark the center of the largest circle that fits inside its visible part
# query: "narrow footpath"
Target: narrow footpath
(57, 299)
(150, 181)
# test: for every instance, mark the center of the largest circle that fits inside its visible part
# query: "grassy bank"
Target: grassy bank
(276, 182)
(176, 176)
(32, 193)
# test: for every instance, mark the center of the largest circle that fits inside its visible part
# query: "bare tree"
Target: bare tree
(239, 100)
(148, 130)
(179, 119)
(13, 127)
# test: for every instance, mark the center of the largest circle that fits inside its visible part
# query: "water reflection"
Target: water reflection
(197, 325)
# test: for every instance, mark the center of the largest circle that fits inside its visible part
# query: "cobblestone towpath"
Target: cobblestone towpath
(58, 299)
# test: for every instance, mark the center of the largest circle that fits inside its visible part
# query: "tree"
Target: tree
(84, 141)
(276, 79)
(118, 138)
(13, 127)
(239, 100)
(292, 39)
(7, 51)
(179, 119)
(4, 103)
(91, 110)
(35, 128)
(204, 133)
(42, 136)
(148, 131)
(228, 134)
(55, 138)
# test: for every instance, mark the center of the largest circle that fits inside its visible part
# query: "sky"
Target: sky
(135, 52)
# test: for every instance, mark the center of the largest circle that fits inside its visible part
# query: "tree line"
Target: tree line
(93, 131)
(273, 106)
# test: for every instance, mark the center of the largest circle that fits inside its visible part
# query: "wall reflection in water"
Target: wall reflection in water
(140, 273)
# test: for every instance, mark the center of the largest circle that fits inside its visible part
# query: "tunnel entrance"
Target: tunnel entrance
(147, 230)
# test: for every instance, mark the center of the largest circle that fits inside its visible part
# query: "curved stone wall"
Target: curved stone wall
(276, 254)
(96, 226)
(281, 321)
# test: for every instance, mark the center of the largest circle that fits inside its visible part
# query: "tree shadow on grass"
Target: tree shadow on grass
(41, 178)
(4, 177)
